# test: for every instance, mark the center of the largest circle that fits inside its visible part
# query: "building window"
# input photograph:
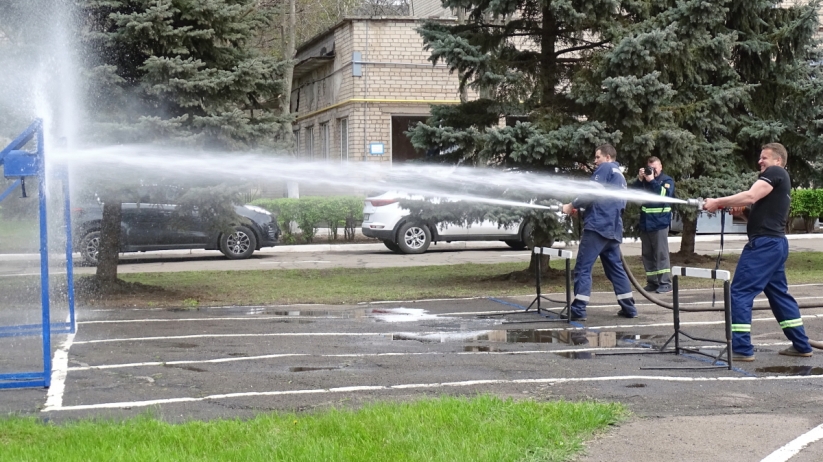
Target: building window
(344, 140)
(309, 143)
(296, 151)
(324, 141)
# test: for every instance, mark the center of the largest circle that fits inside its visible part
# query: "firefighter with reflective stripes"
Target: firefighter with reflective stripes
(761, 267)
(602, 234)
(655, 220)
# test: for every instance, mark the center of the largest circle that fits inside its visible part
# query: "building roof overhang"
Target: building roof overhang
(309, 64)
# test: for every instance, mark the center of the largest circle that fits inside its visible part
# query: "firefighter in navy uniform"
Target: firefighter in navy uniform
(602, 235)
(655, 220)
(761, 267)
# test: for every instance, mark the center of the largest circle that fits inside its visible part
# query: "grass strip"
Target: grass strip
(353, 285)
(483, 428)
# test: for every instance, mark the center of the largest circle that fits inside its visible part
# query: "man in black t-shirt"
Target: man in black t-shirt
(761, 267)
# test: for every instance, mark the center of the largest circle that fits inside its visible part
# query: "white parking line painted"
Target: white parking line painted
(250, 317)
(286, 334)
(132, 404)
(287, 262)
(59, 371)
(510, 255)
(349, 355)
(390, 334)
(795, 446)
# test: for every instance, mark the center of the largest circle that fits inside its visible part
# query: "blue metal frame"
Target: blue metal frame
(23, 164)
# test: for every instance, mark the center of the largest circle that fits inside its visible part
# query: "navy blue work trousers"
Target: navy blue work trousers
(593, 245)
(761, 268)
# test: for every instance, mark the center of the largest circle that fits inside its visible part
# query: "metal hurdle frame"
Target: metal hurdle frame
(18, 163)
(723, 275)
(566, 255)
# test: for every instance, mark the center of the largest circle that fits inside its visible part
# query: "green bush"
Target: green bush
(310, 212)
(807, 203)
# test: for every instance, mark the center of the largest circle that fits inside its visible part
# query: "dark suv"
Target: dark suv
(145, 227)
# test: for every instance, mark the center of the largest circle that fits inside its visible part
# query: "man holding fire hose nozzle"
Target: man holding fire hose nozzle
(602, 234)
(761, 265)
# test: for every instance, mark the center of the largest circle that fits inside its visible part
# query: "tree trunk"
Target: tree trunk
(288, 53)
(544, 264)
(292, 188)
(107, 257)
(687, 235)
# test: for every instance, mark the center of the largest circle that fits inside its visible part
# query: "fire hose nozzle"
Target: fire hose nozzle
(697, 203)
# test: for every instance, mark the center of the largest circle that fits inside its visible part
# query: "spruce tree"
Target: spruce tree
(176, 71)
(181, 69)
(699, 84)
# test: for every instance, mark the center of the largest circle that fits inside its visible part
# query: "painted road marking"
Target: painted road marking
(795, 446)
(59, 371)
(285, 334)
(133, 404)
(287, 262)
(350, 355)
(391, 334)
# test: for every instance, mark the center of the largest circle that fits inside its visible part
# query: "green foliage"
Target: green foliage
(180, 70)
(807, 203)
(701, 85)
(310, 212)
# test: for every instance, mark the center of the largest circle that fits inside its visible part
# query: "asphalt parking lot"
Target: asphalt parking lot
(238, 361)
(228, 362)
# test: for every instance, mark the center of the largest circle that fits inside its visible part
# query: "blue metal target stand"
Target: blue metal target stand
(21, 164)
(564, 315)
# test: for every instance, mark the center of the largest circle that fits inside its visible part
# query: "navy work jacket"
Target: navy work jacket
(655, 216)
(604, 215)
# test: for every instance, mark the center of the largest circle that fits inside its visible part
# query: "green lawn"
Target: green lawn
(483, 428)
(354, 285)
(349, 285)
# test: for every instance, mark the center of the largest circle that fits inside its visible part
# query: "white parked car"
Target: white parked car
(384, 219)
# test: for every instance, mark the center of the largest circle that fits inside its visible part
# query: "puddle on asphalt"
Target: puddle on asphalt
(400, 314)
(481, 349)
(636, 385)
(188, 368)
(309, 369)
(275, 311)
(577, 354)
(602, 339)
(791, 370)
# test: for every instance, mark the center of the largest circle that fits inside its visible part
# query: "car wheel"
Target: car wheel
(516, 245)
(90, 247)
(413, 238)
(391, 246)
(238, 245)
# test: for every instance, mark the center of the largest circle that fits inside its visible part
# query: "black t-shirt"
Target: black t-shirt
(768, 215)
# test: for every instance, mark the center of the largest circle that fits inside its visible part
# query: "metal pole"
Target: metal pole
(69, 251)
(676, 303)
(568, 291)
(537, 277)
(44, 262)
(727, 306)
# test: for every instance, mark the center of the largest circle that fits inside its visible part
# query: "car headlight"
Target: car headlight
(257, 209)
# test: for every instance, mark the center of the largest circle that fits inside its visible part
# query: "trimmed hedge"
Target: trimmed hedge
(807, 203)
(309, 212)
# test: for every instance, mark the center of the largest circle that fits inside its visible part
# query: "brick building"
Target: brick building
(358, 86)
